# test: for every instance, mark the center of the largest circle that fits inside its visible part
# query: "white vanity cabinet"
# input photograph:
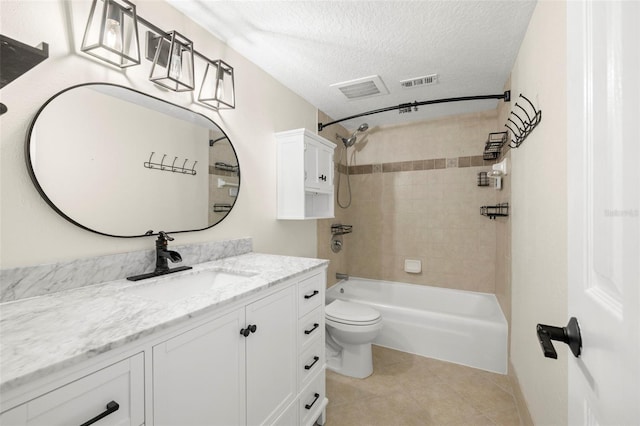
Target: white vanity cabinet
(113, 395)
(305, 175)
(215, 375)
(258, 361)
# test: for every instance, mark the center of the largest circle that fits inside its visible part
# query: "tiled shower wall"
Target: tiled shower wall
(415, 196)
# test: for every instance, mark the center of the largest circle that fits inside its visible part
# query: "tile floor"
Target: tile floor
(408, 390)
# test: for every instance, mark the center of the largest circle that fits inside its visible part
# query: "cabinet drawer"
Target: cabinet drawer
(310, 294)
(310, 327)
(312, 400)
(82, 400)
(310, 362)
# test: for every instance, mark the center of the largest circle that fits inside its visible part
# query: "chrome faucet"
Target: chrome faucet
(163, 255)
(340, 276)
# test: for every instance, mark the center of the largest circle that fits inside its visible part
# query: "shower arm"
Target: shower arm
(506, 96)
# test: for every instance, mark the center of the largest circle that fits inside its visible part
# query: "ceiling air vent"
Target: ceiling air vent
(419, 81)
(361, 88)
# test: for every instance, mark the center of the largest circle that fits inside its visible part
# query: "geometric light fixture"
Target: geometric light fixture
(112, 33)
(112, 36)
(173, 62)
(218, 90)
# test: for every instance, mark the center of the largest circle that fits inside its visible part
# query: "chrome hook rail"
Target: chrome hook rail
(171, 168)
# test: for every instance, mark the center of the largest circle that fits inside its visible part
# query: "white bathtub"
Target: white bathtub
(451, 325)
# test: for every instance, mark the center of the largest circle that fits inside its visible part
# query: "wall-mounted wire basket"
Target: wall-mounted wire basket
(226, 167)
(339, 229)
(494, 145)
(525, 124)
(499, 210)
(221, 208)
(483, 179)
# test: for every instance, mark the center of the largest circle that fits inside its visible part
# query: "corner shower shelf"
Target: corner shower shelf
(499, 210)
(494, 145)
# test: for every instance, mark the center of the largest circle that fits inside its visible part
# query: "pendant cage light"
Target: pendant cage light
(173, 63)
(218, 90)
(112, 33)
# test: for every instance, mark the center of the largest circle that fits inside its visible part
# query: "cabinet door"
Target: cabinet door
(271, 356)
(325, 168)
(199, 376)
(311, 175)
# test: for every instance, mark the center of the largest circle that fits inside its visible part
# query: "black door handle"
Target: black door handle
(569, 335)
(110, 408)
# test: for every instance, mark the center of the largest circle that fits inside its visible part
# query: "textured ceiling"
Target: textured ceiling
(310, 45)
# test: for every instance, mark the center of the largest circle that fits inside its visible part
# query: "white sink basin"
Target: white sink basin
(184, 284)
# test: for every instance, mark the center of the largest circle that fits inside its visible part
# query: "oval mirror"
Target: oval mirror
(122, 163)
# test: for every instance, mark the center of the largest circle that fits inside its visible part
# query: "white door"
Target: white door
(603, 60)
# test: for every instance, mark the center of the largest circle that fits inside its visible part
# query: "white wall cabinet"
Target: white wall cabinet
(261, 362)
(305, 175)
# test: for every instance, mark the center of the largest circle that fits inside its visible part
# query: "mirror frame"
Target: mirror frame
(34, 179)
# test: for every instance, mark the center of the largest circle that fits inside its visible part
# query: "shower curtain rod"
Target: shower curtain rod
(506, 96)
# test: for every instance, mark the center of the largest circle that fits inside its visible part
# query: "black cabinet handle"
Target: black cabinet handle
(315, 359)
(569, 335)
(251, 328)
(315, 325)
(111, 407)
(309, 296)
(308, 406)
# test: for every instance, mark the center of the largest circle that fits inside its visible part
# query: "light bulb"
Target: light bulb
(112, 35)
(176, 65)
(220, 89)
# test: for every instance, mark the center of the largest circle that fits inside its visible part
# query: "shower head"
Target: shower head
(352, 139)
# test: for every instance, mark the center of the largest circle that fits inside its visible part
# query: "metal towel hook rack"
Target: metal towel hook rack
(171, 168)
(519, 134)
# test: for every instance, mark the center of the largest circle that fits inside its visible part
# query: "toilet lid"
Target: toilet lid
(350, 311)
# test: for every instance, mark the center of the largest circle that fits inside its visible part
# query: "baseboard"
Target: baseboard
(523, 410)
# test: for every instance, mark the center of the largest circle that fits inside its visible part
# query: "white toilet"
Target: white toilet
(351, 327)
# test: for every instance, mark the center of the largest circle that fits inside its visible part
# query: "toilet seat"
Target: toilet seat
(351, 313)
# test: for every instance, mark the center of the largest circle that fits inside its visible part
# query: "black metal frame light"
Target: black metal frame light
(112, 34)
(218, 89)
(173, 63)
(119, 20)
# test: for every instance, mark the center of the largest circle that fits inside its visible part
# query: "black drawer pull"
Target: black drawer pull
(309, 296)
(315, 359)
(315, 325)
(111, 407)
(308, 406)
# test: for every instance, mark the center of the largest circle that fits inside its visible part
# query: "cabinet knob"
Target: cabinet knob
(251, 328)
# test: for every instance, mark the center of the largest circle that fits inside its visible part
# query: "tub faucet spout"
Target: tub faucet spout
(341, 276)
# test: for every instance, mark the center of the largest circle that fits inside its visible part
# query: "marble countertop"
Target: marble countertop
(45, 334)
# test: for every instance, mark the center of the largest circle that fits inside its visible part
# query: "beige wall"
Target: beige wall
(426, 210)
(338, 261)
(32, 233)
(539, 216)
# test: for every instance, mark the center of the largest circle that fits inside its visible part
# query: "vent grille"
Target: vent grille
(362, 87)
(419, 81)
